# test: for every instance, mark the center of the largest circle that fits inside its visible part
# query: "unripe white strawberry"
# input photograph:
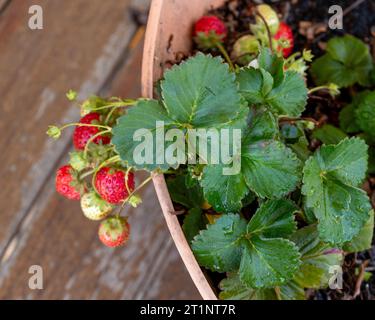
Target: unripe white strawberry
(94, 207)
(270, 16)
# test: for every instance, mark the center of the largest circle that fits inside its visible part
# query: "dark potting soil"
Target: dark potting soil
(309, 21)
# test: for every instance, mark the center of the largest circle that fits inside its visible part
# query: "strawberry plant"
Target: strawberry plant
(287, 203)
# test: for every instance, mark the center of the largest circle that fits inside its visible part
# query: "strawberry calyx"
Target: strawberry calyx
(284, 37)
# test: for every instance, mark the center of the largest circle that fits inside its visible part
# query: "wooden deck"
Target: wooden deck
(95, 47)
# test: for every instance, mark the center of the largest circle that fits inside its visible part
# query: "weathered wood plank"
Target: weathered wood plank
(75, 49)
(49, 230)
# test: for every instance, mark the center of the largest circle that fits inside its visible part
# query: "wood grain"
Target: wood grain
(80, 47)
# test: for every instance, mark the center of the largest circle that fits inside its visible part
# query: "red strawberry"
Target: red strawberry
(113, 185)
(209, 30)
(114, 231)
(67, 183)
(82, 134)
(285, 34)
(207, 24)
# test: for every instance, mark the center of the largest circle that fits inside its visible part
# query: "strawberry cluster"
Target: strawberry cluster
(210, 32)
(95, 175)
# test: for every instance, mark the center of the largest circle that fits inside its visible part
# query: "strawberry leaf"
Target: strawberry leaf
(233, 289)
(365, 113)
(263, 257)
(283, 93)
(330, 183)
(268, 262)
(193, 222)
(268, 168)
(274, 219)
(201, 92)
(224, 192)
(363, 240)
(218, 248)
(329, 134)
(189, 195)
(143, 115)
(317, 258)
(314, 272)
(347, 61)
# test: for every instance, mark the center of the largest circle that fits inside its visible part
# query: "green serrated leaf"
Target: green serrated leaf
(250, 84)
(317, 258)
(193, 222)
(328, 134)
(347, 119)
(274, 219)
(290, 97)
(268, 262)
(329, 184)
(190, 196)
(218, 248)
(127, 138)
(263, 126)
(270, 169)
(347, 61)
(201, 91)
(262, 261)
(272, 64)
(224, 192)
(287, 99)
(363, 240)
(233, 289)
(365, 113)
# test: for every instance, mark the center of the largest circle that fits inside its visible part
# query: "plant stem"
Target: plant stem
(119, 104)
(86, 174)
(268, 30)
(136, 190)
(225, 54)
(85, 125)
(110, 113)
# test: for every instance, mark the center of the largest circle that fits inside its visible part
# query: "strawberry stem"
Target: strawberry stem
(119, 104)
(136, 190)
(267, 28)
(225, 54)
(85, 125)
(86, 174)
(110, 113)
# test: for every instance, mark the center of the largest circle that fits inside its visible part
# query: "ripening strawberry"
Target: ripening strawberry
(67, 184)
(270, 16)
(93, 207)
(82, 134)
(208, 31)
(113, 185)
(285, 34)
(114, 231)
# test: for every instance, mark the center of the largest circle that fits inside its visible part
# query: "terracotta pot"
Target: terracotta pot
(169, 32)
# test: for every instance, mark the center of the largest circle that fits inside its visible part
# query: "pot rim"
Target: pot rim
(148, 74)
